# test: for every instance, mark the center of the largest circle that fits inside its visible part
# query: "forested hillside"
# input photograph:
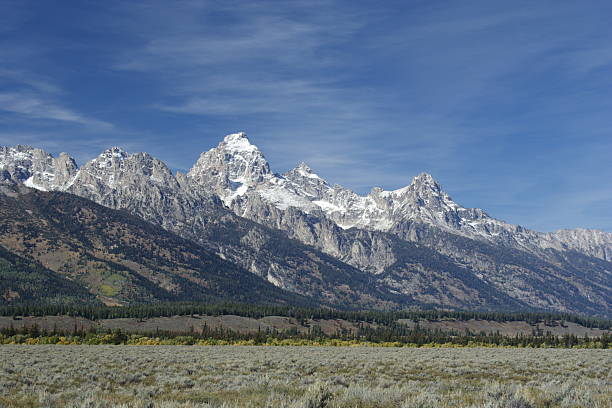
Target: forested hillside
(91, 251)
(26, 281)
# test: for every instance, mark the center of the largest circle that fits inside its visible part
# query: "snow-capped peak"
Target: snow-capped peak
(114, 151)
(426, 180)
(37, 168)
(237, 142)
(305, 171)
(231, 168)
(110, 158)
(235, 136)
(304, 167)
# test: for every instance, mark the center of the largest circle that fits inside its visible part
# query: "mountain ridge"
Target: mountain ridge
(422, 200)
(415, 242)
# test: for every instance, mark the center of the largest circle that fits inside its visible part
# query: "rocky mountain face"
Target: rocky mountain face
(591, 242)
(236, 169)
(36, 168)
(104, 255)
(363, 231)
(145, 187)
(409, 246)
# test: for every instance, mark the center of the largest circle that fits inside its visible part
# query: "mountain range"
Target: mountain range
(302, 238)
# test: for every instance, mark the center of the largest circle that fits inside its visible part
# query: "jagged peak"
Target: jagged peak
(114, 151)
(237, 143)
(18, 147)
(109, 158)
(117, 155)
(18, 152)
(306, 171)
(425, 180)
(23, 156)
(235, 136)
(302, 170)
(67, 160)
(234, 159)
(28, 150)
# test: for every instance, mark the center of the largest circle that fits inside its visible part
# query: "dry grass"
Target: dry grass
(177, 376)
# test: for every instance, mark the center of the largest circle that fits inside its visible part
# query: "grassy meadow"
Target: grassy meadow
(256, 376)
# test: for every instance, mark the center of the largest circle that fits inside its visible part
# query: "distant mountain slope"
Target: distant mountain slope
(26, 281)
(118, 257)
(566, 281)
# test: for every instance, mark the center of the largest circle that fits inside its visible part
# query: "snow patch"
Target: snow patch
(273, 280)
(238, 142)
(283, 199)
(327, 207)
(30, 183)
(345, 226)
(238, 187)
(71, 182)
(308, 174)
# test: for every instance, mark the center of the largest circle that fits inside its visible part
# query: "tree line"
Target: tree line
(394, 336)
(384, 318)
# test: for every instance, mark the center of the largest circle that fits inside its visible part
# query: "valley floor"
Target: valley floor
(185, 324)
(235, 376)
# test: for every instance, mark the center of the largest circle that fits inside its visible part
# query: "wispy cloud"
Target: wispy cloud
(33, 97)
(35, 107)
(28, 94)
(493, 99)
(30, 80)
(261, 61)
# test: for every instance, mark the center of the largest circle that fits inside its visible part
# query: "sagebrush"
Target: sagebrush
(334, 377)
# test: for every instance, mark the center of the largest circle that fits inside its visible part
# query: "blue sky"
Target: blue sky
(507, 104)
